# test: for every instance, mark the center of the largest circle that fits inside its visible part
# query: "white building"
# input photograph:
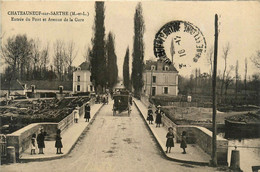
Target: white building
(161, 77)
(81, 79)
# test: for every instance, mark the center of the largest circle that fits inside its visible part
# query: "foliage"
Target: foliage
(112, 70)
(98, 60)
(27, 59)
(17, 52)
(138, 51)
(256, 59)
(126, 70)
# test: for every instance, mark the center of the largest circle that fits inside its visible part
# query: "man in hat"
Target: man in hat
(40, 140)
(158, 113)
(87, 112)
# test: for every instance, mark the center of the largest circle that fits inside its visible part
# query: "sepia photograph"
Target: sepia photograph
(130, 86)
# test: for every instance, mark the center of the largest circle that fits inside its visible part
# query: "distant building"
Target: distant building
(35, 88)
(81, 79)
(160, 79)
(16, 88)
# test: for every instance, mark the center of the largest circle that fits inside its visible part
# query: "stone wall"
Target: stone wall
(21, 139)
(197, 135)
(203, 138)
(69, 120)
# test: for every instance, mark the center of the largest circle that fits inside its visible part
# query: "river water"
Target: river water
(249, 150)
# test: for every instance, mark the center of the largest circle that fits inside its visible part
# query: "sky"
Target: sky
(239, 25)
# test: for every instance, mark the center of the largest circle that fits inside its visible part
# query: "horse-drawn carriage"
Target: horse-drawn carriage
(122, 101)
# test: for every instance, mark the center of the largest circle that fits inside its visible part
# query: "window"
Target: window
(78, 87)
(165, 90)
(153, 91)
(166, 67)
(154, 79)
(91, 88)
(152, 67)
(78, 78)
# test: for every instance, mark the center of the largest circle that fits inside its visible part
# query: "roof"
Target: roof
(14, 85)
(149, 63)
(85, 66)
(49, 85)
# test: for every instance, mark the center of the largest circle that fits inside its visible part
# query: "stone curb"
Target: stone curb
(72, 147)
(162, 147)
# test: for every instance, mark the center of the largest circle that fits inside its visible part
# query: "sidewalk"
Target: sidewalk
(69, 139)
(195, 155)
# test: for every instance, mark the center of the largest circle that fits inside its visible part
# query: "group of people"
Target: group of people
(87, 113)
(102, 99)
(40, 142)
(170, 136)
(159, 113)
(170, 141)
(58, 143)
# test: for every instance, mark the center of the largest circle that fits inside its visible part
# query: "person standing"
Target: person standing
(76, 114)
(33, 144)
(169, 142)
(150, 115)
(158, 113)
(183, 142)
(87, 112)
(40, 141)
(58, 143)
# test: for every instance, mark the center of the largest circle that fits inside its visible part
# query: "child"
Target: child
(150, 115)
(169, 142)
(33, 144)
(183, 142)
(76, 114)
(58, 143)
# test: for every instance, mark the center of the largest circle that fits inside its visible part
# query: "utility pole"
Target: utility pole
(214, 100)
(151, 83)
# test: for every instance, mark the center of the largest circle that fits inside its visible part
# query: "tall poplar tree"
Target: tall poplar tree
(126, 78)
(138, 51)
(98, 60)
(112, 70)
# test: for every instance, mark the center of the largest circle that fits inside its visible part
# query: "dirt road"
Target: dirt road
(112, 143)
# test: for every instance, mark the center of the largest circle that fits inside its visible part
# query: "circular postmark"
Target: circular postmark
(181, 40)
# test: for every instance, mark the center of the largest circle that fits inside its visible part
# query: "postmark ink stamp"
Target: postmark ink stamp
(186, 39)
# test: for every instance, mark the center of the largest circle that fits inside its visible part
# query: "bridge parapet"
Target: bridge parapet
(203, 138)
(21, 139)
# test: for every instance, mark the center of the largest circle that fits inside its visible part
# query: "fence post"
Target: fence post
(11, 154)
(235, 160)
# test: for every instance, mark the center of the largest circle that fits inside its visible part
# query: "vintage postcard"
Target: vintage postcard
(130, 86)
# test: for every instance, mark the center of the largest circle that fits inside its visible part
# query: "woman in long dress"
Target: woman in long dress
(158, 119)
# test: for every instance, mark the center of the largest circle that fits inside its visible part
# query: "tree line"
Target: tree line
(103, 59)
(27, 59)
(230, 84)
